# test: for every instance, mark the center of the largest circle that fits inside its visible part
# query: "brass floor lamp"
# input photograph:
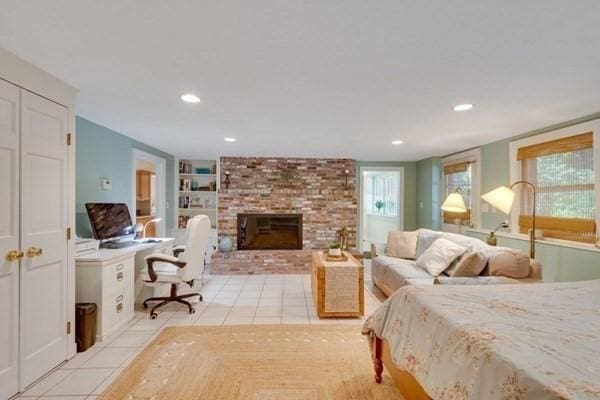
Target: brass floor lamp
(503, 198)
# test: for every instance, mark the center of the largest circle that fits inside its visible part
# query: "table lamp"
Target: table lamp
(456, 204)
(148, 223)
(503, 198)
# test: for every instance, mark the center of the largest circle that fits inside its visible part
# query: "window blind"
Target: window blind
(458, 177)
(563, 172)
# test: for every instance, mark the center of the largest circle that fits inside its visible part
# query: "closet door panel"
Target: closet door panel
(44, 223)
(9, 239)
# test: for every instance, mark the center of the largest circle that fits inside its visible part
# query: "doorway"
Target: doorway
(381, 205)
(149, 192)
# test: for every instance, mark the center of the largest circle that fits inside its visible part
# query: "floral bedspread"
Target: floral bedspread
(537, 341)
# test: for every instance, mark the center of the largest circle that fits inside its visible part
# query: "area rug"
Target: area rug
(254, 363)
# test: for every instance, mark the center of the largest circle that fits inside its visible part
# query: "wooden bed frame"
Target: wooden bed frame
(408, 385)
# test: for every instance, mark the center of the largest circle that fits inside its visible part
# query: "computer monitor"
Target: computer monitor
(110, 221)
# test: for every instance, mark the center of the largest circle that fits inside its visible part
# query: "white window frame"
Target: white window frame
(361, 222)
(472, 156)
(515, 167)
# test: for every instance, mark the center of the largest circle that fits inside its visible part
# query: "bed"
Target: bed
(490, 342)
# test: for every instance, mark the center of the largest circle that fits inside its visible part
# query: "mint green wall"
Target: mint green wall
(428, 191)
(104, 153)
(410, 183)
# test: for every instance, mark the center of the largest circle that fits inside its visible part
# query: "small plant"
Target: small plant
(379, 205)
(335, 249)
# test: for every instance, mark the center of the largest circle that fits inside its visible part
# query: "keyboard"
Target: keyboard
(118, 245)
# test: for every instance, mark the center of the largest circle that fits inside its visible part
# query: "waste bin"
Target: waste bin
(85, 325)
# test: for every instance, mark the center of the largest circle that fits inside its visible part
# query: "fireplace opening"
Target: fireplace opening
(269, 231)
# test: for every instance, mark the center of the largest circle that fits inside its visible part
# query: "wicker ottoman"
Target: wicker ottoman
(337, 286)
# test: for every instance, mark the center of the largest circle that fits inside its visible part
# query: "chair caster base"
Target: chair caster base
(172, 298)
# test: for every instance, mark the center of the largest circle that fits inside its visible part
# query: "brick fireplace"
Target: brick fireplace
(322, 191)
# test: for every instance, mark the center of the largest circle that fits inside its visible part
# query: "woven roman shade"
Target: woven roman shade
(563, 172)
(455, 168)
(458, 176)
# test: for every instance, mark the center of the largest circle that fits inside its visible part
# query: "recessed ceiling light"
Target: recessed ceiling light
(397, 142)
(230, 139)
(190, 98)
(463, 107)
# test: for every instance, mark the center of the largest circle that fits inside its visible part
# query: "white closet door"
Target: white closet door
(9, 239)
(43, 228)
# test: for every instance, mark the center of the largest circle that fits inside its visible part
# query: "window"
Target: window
(562, 171)
(458, 177)
(382, 194)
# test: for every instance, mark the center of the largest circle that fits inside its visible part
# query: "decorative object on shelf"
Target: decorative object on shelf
(227, 180)
(335, 250)
(491, 239)
(203, 171)
(455, 203)
(225, 244)
(346, 172)
(503, 198)
(343, 235)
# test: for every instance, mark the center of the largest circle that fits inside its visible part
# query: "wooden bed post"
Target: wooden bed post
(377, 362)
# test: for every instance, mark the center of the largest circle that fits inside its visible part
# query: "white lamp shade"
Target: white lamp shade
(454, 203)
(502, 198)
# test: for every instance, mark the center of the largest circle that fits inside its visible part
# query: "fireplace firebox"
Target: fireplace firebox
(269, 231)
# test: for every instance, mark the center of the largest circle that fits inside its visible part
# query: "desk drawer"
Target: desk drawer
(117, 276)
(116, 309)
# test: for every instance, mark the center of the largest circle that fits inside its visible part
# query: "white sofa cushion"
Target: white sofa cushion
(438, 257)
(426, 239)
(402, 244)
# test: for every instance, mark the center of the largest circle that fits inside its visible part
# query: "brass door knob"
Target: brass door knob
(34, 252)
(14, 255)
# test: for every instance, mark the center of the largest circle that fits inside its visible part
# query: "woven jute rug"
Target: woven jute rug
(254, 362)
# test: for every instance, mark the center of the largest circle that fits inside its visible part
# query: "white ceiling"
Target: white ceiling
(333, 78)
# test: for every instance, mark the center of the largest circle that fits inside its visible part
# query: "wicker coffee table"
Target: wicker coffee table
(337, 286)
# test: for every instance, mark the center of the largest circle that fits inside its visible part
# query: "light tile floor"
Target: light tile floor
(228, 300)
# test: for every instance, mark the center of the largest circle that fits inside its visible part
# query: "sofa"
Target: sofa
(391, 273)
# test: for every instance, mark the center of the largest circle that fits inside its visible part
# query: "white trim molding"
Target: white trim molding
(161, 187)
(361, 172)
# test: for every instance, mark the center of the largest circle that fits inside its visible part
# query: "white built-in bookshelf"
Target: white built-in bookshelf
(197, 190)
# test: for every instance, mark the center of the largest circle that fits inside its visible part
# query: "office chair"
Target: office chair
(165, 269)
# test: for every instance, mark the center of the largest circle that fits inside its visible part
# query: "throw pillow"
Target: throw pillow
(402, 244)
(426, 239)
(509, 263)
(439, 256)
(470, 264)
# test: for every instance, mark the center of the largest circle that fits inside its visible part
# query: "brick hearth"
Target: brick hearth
(243, 262)
(315, 188)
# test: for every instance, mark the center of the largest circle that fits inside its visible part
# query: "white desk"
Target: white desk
(110, 278)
